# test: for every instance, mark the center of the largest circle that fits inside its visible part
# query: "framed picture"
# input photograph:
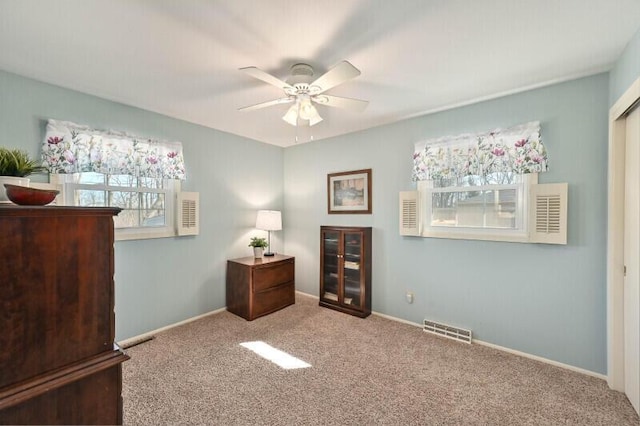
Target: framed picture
(349, 192)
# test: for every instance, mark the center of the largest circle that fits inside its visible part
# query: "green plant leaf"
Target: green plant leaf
(258, 242)
(15, 162)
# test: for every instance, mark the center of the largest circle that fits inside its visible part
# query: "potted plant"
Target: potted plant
(258, 245)
(15, 166)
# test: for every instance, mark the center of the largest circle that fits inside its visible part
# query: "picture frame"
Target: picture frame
(349, 192)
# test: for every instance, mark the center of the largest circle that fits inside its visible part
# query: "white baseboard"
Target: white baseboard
(389, 317)
(493, 346)
(541, 359)
(307, 295)
(143, 336)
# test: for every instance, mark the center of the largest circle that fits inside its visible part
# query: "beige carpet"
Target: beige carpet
(363, 372)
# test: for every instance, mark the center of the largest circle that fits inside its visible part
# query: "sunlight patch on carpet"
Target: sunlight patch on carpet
(282, 359)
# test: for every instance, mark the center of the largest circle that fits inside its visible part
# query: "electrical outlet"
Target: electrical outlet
(409, 296)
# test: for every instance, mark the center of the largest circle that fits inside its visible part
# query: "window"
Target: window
(147, 203)
(107, 168)
(475, 186)
(494, 206)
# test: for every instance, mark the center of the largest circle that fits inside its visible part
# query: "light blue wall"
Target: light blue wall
(540, 299)
(626, 69)
(163, 281)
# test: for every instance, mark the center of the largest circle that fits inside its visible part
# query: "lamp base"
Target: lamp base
(269, 254)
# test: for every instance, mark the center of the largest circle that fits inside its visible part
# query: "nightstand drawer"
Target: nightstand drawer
(273, 299)
(274, 275)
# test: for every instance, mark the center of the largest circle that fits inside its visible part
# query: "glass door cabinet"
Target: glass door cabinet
(345, 269)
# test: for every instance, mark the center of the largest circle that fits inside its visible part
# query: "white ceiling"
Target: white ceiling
(181, 58)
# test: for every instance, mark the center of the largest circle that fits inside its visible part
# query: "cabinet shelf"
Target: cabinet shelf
(345, 269)
(351, 285)
(351, 265)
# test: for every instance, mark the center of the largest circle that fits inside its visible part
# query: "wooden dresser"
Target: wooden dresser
(58, 360)
(257, 287)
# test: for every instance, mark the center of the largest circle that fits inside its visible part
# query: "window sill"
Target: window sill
(143, 234)
(510, 238)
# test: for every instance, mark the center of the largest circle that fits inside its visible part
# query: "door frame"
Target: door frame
(615, 236)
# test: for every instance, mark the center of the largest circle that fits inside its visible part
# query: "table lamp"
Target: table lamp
(269, 220)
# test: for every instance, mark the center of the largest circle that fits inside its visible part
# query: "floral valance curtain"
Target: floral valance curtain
(517, 149)
(72, 148)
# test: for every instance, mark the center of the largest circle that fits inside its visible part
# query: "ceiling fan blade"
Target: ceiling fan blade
(267, 104)
(337, 75)
(340, 102)
(267, 78)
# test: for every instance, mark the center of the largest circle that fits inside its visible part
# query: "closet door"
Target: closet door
(632, 259)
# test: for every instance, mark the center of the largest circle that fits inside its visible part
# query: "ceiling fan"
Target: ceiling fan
(303, 91)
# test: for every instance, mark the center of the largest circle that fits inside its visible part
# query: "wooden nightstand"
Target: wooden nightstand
(257, 287)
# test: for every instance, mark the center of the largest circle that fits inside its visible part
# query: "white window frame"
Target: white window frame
(171, 188)
(519, 234)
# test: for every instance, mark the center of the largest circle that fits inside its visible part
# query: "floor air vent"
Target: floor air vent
(455, 333)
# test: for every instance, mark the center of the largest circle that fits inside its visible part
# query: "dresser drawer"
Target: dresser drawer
(273, 299)
(272, 276)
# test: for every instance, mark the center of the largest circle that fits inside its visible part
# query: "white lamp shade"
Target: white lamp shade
(269, 220)
(306, 110)
(303, 110)
(291, 116)
(315, 119)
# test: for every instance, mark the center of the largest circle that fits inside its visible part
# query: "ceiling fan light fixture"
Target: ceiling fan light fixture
(315, 120)
(291, 115)
(302, 113)
(307, 111)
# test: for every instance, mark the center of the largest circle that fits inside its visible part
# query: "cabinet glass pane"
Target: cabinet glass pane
(330, 241)
(351, 269)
